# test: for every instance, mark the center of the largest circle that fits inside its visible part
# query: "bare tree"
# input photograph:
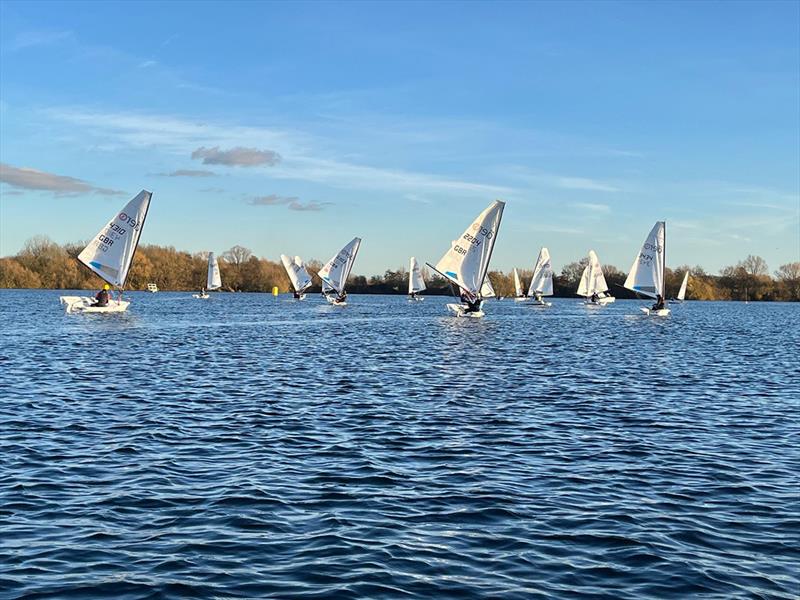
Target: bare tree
(755, 266)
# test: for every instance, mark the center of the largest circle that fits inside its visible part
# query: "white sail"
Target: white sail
(682, 291)
(487, 291)
(111, 251)
(517, 285)
(416, 282)
(327, 288)
(214, 280)
(297, 272)
(647, 271)
(584, 285)
(598, 282)
(542, 281)
(467, 261)
(337, 269)
(592, 280)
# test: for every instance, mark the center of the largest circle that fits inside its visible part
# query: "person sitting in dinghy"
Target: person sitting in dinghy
(470, 304)
(297, 295)
(659, 305)
(341, 298)
(101, 299)
(594, 299)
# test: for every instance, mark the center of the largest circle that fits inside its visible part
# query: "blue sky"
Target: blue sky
(399, 122)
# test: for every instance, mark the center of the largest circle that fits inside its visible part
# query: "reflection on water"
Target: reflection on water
(249, 447)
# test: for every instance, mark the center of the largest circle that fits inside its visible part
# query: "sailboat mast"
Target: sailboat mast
(138, 239)
(491, 250)
(664, 267)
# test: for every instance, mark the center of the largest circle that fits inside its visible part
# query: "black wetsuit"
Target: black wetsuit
(659, 303)
(101, 298)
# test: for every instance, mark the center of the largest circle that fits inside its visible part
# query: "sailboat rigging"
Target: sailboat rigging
(646, 275)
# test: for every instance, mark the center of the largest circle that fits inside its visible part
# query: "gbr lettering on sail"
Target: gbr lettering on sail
(481, 234)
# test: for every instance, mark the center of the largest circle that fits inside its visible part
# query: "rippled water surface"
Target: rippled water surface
(248, 447)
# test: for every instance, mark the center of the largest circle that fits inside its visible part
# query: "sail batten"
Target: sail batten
(111, 252)
(542, 280)
(466, 263)
(646, 275)
(416, 282)
(337, 269)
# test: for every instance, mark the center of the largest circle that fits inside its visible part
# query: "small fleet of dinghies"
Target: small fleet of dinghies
(110, 255)
(213, 279)
(465, 265)
(298, 275)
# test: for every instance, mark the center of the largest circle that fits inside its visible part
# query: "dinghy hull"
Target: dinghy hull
(663, 312)
(85, 304)
(461, 311)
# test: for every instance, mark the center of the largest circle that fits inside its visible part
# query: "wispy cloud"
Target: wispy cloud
(300, 156)
(31, 39)
(584, 183)
(188, 173)
(566, 182)
(291, 202)
(236, 157)
(147, 63)
(31, 179)
(592, 206)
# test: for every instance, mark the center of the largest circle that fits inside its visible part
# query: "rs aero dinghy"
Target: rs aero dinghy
(542, 280)
(110, 254)
(416, 282)
(646, 276)
(298, 275)
(466, 263)
(336, 271)
(213, 279)
(593, 284)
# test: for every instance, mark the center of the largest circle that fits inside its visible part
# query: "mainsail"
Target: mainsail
(517, 285)
(416, 283)
(467, 261)
(542, 282)
(647, 272)
(297, 272)
(487, 291)
(682, 291)
(111, 251)
(214, 279)
(337, 269)
(592, 279)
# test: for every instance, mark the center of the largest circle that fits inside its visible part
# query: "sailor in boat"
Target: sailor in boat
(594, 299)
(341, 298)
(297, 295)
(102, 297)
(659, 305)
(470, 304)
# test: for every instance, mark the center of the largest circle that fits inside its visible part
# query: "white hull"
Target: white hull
(600, 301)
(201, 296)
(520, 299)
(415, 298)
(84, 304)
(461, 311)
(664, 312)
(541, 303)
(334, 302)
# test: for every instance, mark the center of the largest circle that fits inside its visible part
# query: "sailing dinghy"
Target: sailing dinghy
(213, 279)
(487, 291)
(593, 284)
(110, 254)
(298, 275)
(542, 280)
(336, 271)
(416, 282)
(519, 293)
(682, 291)
(466, 263)
(646, 276)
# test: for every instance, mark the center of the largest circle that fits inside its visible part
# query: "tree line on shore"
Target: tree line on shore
(44, 264)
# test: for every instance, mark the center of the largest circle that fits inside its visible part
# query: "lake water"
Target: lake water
(248, 447)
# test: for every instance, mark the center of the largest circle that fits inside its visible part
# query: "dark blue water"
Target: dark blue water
(247, 447)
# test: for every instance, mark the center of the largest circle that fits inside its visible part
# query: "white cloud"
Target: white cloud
(32, 179)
